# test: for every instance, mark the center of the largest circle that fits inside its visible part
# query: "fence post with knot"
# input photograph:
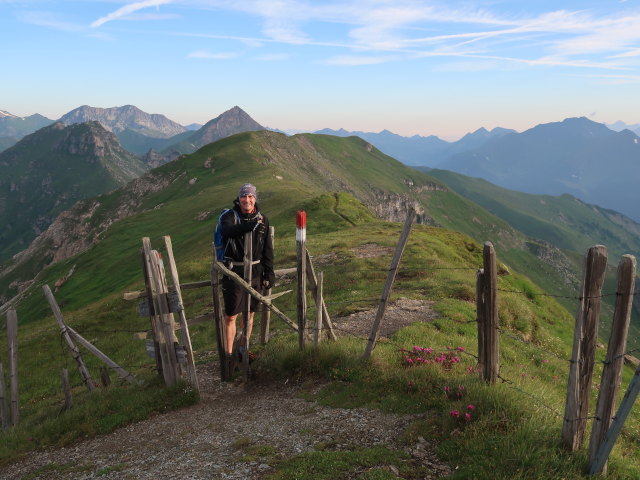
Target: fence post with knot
(585, 337)
(489, 317)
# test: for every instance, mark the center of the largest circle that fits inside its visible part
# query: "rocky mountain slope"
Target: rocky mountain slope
(50, 170)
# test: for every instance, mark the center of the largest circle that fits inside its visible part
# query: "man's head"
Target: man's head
(247, 198)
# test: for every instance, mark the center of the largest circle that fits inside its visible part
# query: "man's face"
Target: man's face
(247, 203)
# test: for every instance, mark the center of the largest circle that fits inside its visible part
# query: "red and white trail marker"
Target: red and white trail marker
(301, 226)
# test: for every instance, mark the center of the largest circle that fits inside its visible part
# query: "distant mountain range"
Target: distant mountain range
(418, 150)
(576, 156)
(619, 126)
(589, 160)
(141, 133)
(13, 128)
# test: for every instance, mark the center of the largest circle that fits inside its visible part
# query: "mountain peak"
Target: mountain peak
(4, 114)
(235, 120)
(127, 117)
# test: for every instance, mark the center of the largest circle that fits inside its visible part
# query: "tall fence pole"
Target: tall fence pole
(386, 292)
(301, 238)
(610, 381)
(218, 321)
(184, 327)
(585, 337)
(265, 313)
(12, 339)
(4, 410)
(153, 315)
(319, 303)
(246, 313)
(480, 311)
(75, 353)
(171, 369)
(490, 350)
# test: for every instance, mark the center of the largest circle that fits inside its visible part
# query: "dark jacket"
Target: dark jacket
(234, 225)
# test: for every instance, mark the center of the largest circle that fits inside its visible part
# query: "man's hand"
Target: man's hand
(260, 228)
(266, 284)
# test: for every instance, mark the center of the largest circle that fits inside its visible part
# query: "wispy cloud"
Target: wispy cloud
(355, 60)
(128, 10)
(273, 57)
(212, 56)
(560, 37)
(49, 20)
(388, 30)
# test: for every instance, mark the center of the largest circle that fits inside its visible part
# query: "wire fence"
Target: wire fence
(371, 302)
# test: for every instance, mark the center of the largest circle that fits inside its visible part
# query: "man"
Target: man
(245, 216)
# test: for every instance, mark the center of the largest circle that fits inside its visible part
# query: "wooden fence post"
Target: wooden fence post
(617, 424)
(4, 410)
(386, 292)
(319, 303)
(167, 342)
(301, 238)
(153, 315)
(184, 327)
(585, 337)
(313, 284)
(480, 311)
(220, 327)
(491, 322)
(12, 339)
(265, 315)
(75, 353)
(66, 389)
(104, 377)
(246, 313)
(614, 361)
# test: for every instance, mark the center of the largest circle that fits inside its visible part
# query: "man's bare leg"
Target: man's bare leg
(230, 322)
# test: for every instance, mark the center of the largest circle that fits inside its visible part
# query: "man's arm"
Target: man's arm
(268, 274)
(231, 229)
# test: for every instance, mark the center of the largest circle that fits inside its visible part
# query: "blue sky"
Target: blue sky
(440, 68)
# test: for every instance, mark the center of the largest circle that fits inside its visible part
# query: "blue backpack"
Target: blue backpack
(218, 240)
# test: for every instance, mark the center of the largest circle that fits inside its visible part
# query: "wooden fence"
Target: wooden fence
(175, 359)
(605, 426)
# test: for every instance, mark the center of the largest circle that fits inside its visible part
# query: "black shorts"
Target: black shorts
(235, 297)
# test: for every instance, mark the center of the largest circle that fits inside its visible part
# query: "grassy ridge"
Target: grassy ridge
(514, 432)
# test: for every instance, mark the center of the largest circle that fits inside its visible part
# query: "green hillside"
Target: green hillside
(339, 182)
(288, 170)
(562, 220)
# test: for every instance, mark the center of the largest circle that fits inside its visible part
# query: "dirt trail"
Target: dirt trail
(236, 431)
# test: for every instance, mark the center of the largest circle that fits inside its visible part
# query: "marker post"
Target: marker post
(301, 238)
